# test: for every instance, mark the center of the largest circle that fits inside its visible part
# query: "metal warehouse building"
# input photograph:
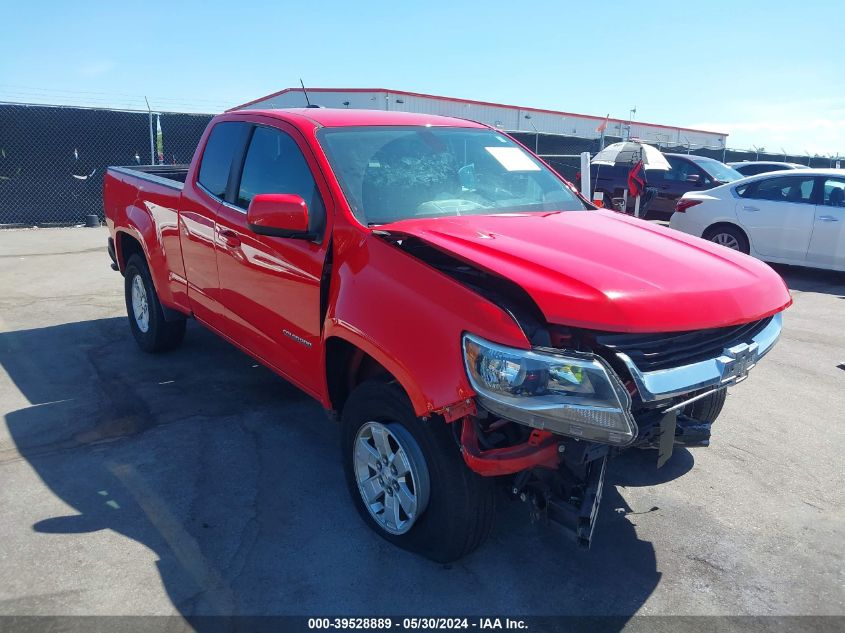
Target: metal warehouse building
(525, 120)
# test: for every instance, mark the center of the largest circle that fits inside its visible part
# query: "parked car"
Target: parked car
(785, 217)
(467, 316)
(688, 173)
(754, 167)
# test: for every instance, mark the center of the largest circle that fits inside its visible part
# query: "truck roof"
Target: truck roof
(335, 117)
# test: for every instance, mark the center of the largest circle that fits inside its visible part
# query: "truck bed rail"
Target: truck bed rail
(172, 176)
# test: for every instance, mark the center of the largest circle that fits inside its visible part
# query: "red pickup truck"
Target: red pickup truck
(467, 315)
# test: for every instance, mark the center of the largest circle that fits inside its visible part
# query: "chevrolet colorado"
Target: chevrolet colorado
(469, 317)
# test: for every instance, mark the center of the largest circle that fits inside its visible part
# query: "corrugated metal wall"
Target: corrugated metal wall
(506, 118)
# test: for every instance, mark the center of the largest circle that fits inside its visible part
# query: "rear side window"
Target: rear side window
(834, 192)
(225, 140)
(681, 169)
(275, 164)
(781, 189)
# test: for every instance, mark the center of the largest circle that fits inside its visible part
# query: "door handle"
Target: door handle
(750, 208)
(230, 238)
(828, 218)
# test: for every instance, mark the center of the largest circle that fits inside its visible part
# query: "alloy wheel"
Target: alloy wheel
(726, 239)
(392, 475)
(140, 305)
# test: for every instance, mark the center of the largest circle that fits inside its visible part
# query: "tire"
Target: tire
(728, 236)
(455, 513)
(146, 318)
(708, 408)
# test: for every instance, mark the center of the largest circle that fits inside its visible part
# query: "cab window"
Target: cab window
(225, 140)
(275, 164)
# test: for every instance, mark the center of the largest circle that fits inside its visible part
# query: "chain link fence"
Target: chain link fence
(52, 158)
(563, 152)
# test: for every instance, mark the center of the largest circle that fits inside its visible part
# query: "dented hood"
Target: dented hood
(607, 271)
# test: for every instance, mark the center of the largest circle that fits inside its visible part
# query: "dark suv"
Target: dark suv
(688, 173)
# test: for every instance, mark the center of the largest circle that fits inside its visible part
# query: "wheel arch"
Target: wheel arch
(127, 244)
(726, 224)
(348, 364)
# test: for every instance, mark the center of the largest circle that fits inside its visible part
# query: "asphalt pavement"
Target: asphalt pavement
(198, 482)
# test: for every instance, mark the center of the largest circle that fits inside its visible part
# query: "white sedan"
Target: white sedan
(795, 217)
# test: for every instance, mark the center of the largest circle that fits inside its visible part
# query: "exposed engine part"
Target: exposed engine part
(539, 451)
(688, 432)
(569, 496)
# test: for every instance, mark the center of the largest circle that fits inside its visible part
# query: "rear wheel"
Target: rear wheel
(407, 477)
(728, 236)
(146, 318)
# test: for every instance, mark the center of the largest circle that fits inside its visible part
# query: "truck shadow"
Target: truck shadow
(230, 476)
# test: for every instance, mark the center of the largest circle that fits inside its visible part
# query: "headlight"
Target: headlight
(569, 393)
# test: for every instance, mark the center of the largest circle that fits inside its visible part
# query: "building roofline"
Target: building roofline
(406, 93)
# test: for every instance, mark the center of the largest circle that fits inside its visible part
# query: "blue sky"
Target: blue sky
(768, 73)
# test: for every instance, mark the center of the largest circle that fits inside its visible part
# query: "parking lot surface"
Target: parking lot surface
(197, 482)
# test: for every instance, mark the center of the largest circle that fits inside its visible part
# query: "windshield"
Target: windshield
(717, 170)
(396, 173)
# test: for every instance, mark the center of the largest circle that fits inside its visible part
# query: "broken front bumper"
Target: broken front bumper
(729, 368)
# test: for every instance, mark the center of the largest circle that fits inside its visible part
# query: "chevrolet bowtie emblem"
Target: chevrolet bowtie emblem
(736, 361)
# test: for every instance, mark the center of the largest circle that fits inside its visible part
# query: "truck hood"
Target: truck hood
(607, 271)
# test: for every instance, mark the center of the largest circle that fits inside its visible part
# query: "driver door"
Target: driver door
(778, 215)
(270, 286)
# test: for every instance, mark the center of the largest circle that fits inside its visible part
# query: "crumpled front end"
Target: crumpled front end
(554, 415)
(627, 349)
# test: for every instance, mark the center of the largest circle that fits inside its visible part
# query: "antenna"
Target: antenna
(305, 92)
(307, 100)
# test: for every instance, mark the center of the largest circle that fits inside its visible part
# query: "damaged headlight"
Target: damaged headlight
(570, 393)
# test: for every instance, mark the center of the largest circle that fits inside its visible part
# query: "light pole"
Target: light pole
(536, 134)
(632, 113)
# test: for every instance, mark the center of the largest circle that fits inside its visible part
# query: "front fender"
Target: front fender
(410, 318)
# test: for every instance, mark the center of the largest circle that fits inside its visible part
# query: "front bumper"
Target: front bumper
(729, 368)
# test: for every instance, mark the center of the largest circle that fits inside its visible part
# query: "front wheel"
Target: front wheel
(407, 477)
(151, 330)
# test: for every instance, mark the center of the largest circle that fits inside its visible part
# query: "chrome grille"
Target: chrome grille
(653, 352)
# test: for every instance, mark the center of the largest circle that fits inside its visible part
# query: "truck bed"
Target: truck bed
(168, 175)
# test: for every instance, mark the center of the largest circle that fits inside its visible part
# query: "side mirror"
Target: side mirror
(694, 179)
(279, 215)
